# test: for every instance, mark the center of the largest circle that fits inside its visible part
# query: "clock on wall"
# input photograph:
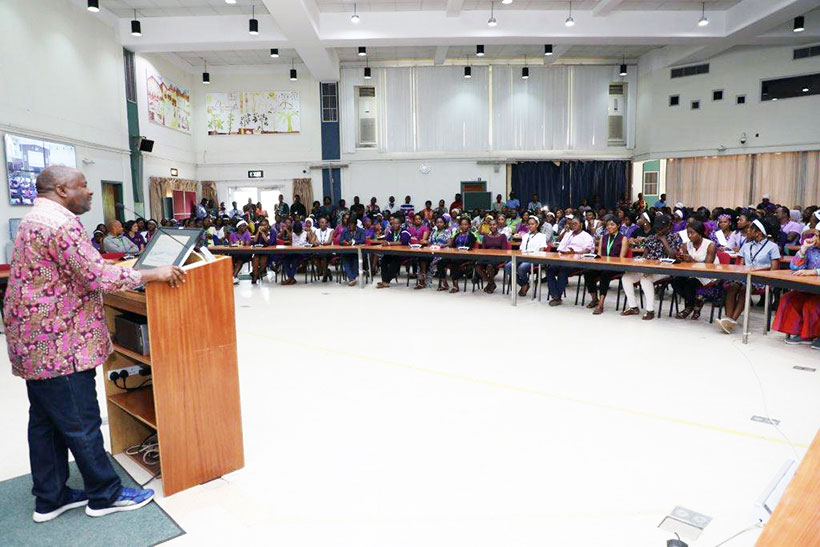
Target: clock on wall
(424, 169)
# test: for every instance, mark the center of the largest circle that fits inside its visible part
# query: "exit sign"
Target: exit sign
(255, 174)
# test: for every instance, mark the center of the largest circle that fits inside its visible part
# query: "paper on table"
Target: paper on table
(721, 238)
(684, 236)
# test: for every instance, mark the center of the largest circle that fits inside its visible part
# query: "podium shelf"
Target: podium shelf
(144, 359)
(139, 404)
(132, 301)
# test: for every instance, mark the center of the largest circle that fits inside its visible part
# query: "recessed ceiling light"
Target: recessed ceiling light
(93, 6)
(799, 24)
(703, 20)
(355, 17)
(230, 1)
(506, 1)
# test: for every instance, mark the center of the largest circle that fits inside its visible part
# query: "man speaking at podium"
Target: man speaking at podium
(57, 335)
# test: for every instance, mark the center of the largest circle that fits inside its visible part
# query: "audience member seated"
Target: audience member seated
(798, 315)
(697, 249)
(464, 240)
(760, 251)
(487, 268)
(290, 261)
(662, 244)
(612, 244)
(352, 235)
(394, 236)
(262, 238)
(439, 238)
(323, 237)
(240, 238)
(533, 240)
(116, 242)
(577, 241)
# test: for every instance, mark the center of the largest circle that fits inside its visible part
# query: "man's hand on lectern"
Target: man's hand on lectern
(174, 275)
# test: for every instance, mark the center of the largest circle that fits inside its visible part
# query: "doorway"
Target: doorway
(268, 196)
(111, 195)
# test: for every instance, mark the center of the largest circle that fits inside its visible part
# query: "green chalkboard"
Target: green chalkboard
(477, 200)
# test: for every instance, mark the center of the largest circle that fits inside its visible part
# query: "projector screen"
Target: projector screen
(27, 157)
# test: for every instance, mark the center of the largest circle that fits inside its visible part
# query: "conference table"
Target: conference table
(728, 272)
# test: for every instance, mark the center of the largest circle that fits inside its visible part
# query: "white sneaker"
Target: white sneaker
(726, 324)
(76, 498)
(236, 281)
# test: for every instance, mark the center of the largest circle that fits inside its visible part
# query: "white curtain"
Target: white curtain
(530, 114)
(589, 107)
(396, 113)
(453, 113)
(352, 77)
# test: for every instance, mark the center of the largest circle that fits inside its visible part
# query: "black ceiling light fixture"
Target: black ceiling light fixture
(93, 6)
(799, 24)
(293, 77)
(622, 72)
(479, 50)
(253, 24)
(525, 72)
(274, 52)
(206, 77)
(136, 28)
(468, 72)
(547, 49)
(362, 51)
(367, 74)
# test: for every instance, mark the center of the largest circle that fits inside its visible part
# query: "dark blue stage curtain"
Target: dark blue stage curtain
(564, 184)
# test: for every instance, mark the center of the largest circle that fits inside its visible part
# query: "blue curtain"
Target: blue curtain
(566, 183)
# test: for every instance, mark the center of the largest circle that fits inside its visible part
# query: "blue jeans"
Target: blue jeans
(522, 275)
(291, 265)
(64, 415)
(350, 265)
(557, 277)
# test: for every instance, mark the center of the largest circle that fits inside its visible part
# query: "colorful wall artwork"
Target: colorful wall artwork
(168, 104)
(256, 113)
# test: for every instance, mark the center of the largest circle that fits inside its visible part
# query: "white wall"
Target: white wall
(402, 177)
(172, 148)
(786, 124)
(63, 80)
(227, 159)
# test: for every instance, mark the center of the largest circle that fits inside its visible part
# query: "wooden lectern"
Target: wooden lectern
(192, 402)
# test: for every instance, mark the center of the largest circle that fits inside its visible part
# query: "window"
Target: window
(650, 183)
(717, 95)
(674, 100)
(330, 102)
(366, 116)
(695, 105)
(789, 88)
(741, 99)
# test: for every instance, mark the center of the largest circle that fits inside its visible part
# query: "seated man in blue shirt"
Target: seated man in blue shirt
(513, 202)
(661, 203)
(352, 235)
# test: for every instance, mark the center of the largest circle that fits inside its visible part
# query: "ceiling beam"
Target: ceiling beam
(299, 23)
(441, 55)
(454, 8)
(557, 51)
(747, 20)
(605, 7)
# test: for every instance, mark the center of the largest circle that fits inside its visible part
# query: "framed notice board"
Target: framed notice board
(477, 200)
(473, 186)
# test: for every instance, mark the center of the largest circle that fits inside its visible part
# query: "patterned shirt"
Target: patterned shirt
(655, 249)
(809, 261)
(54, 316)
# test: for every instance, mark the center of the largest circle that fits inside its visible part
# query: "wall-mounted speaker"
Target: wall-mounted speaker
(146, 145)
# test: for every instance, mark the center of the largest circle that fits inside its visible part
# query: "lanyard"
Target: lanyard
(758, 251)
(610, 242)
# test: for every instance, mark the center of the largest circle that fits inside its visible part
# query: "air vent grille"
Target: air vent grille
(692, 70)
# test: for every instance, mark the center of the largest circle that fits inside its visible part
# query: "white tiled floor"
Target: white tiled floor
(398, 417)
